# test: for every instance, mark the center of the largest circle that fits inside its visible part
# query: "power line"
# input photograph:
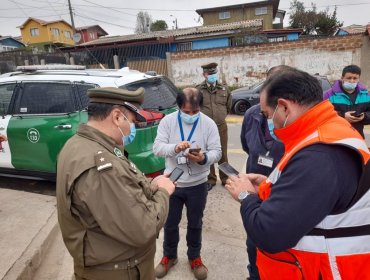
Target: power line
(333, 5)
(40, 16)
(126, 27)
(113, 9)
(140, 9)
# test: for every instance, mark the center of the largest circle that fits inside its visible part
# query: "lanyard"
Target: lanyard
(182, 131)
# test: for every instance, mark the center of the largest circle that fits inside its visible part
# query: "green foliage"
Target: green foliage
(312, 21)
(158, 25)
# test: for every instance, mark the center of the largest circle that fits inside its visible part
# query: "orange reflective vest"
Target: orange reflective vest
(339, 246)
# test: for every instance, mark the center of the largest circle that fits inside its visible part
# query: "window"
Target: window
(82, 93)
(34, 32)
(45, 98)
(160, 94)
(55, 32)
(261, 11)
(224, 15)
(67, 34)
(6, 92)
(184, 46)
(278, 39)
(92, 35)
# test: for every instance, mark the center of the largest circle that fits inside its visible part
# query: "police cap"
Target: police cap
(117, 96)
(210, 68)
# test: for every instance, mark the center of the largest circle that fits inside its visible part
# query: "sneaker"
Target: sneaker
(199, 269)
(164, 266)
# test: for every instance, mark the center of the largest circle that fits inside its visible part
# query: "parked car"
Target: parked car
(40, 109)
(245, 97)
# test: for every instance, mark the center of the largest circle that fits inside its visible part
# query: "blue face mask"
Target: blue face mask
(349, 86)
(212, 79)
(270, 123)
(127, 139)
(189, 119)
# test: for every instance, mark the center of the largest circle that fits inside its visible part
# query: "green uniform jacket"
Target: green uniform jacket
(216, 102)
(106, 210)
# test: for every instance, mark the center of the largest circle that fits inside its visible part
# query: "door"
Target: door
(6, 93)
(44, 117)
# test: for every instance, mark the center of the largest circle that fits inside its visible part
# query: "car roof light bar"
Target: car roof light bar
(26, 68)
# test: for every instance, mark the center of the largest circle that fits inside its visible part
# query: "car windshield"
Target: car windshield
(160, 93)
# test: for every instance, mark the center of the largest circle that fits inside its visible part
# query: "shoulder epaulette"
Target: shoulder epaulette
(101, 161)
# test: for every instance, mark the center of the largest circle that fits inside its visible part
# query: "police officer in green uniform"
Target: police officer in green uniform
(216, 105)
(108, 212)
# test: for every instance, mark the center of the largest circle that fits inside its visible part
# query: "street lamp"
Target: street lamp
(174, 21)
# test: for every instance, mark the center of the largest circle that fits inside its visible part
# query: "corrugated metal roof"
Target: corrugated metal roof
(354, 29)
(175, 33)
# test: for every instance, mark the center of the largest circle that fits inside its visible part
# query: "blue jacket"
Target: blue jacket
(257, 141)
(342, 103)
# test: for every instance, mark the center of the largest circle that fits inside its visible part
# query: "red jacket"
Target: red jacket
(339, 246)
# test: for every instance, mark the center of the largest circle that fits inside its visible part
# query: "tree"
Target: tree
(143, 22)
(158, 25)
(312, 21)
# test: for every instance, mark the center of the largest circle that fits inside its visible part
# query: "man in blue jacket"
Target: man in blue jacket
(350, 98)
(264, 152)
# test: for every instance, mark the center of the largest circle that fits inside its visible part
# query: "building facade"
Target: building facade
(46, 34)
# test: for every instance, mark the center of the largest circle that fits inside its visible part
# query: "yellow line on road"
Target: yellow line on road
(235, 151)
(234, 119)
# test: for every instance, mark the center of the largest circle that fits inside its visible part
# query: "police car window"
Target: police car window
(158, 94)
(82, 93)
(6, 92)
(45, 98)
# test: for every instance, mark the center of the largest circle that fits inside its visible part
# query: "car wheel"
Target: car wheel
(241, 106)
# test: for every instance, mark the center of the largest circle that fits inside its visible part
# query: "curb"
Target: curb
(25, 267)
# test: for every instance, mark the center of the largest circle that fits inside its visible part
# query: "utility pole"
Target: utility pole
(71, 14)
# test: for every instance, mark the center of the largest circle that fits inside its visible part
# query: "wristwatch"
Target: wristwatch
(243, 195)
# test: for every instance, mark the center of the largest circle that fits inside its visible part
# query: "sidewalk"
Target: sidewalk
(28, 223)
(32, 248)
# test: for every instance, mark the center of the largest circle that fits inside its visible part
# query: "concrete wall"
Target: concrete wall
(245, 66)
(365, 61)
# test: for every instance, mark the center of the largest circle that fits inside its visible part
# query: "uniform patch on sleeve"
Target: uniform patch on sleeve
(101, 161)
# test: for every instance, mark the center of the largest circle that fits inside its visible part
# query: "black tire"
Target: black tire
(241, 106)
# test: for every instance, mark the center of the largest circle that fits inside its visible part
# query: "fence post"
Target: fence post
(26, 62)
(42, 61)
(72, 60)
(116, 61)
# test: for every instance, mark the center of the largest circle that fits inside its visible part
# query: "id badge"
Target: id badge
(265, 161)
(182, 160)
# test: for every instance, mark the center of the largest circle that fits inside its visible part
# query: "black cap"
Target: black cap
(111, 95)
(210, 68)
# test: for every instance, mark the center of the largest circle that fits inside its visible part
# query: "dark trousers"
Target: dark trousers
(212, 178)
(194, 198)
(252, 256)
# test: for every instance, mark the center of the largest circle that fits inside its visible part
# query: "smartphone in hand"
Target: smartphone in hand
(194, 151)
(176, 174)
(356, 114)
(228, 169)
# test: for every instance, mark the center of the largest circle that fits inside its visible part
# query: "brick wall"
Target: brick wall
(247, 65)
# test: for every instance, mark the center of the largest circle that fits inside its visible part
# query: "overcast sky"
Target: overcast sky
(118, 17)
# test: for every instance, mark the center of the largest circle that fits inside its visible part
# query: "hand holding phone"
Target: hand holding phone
(194, 150)
(176, 174)
(228, 169)
(356, 114)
